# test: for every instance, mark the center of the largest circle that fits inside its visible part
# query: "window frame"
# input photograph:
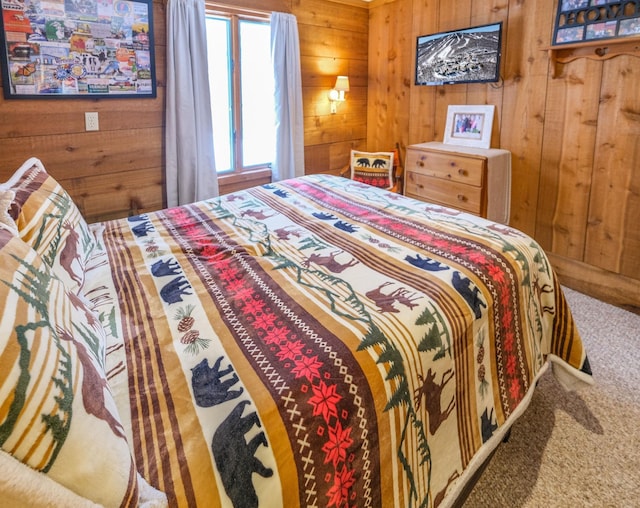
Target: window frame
(238, 173)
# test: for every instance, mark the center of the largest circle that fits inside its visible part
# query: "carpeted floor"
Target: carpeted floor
(582, 448)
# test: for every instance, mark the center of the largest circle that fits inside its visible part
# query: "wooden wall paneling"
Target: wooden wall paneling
(29, 118)
(330, 138)
(422, 98)
(333, 41)
(335, 128)
(316, 101)
(403, 76)
(322, 72)
(377, 95)
(68, 156)
(332, 15)
(452, 16)
(391, 47)
(121, 193)
(525, 84)
(317, 159)
(337, 151)
(125, 152)
(613, 238)
(603, 284)
(260, 5)
(327, 42)
(160, 42)
(330, 155)
(422, 124)
(571, 120)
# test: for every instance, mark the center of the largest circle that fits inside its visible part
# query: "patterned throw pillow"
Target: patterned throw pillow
(57, 414)
(372, 168)
(49, 221)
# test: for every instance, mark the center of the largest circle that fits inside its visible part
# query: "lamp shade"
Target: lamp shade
(342, 84)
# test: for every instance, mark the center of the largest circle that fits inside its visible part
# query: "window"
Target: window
(242, 92)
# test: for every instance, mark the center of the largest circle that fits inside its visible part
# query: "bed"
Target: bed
(313, 342)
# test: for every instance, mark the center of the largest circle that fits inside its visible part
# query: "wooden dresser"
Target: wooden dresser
(473, 180)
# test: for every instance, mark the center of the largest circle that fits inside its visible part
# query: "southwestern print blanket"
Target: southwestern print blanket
(320, 342)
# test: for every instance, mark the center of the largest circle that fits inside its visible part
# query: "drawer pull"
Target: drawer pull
(463, 172)
(462, 197)
(420, 163)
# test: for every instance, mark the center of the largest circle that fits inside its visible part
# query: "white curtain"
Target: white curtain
(285, 54)
(191, 172)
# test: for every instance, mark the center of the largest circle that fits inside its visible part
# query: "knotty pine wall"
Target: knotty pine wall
(109, 172)
(120, 169)
(333, 41)
(575, 140)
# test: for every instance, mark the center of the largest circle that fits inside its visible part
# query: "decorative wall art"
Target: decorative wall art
(469, 125)
(589, 20)
(77, 48)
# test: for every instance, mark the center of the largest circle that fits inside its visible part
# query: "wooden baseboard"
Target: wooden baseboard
(609, 287)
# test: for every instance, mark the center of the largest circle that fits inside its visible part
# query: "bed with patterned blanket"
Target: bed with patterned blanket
(313, 342)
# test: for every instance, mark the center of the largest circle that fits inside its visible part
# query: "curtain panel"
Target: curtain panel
(285, 54)
(190, 164)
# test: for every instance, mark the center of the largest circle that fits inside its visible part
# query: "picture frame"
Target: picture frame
(592, 20)
(77, 49)
(469, 125)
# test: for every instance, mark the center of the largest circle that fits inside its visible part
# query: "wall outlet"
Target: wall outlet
(91, 121)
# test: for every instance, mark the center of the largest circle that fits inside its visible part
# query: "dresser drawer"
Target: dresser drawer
(444, 192)
(448, 166)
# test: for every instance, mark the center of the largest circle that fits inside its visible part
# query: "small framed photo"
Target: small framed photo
(469, 126)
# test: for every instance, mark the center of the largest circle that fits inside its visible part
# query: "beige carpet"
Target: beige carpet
(577, 449)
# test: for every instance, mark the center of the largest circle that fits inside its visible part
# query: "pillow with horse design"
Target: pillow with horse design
(49, 221)
(372, 168)
(57, 414)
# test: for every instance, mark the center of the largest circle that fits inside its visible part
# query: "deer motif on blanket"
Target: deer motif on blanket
(285, 233)
(93, 386)
(329, 262)
(432, 394)
(385, 301)
(257, 214)
(70, 253)
(539, 291)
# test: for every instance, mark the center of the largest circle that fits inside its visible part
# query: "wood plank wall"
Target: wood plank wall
(333, 41)
(107, 172)
(120, 169)
(575, 139)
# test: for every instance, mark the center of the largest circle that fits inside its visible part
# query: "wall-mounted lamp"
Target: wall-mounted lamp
(337, 94)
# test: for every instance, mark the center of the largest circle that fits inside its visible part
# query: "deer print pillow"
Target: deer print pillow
(57, 414)
(49, 221)
(372, 168)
